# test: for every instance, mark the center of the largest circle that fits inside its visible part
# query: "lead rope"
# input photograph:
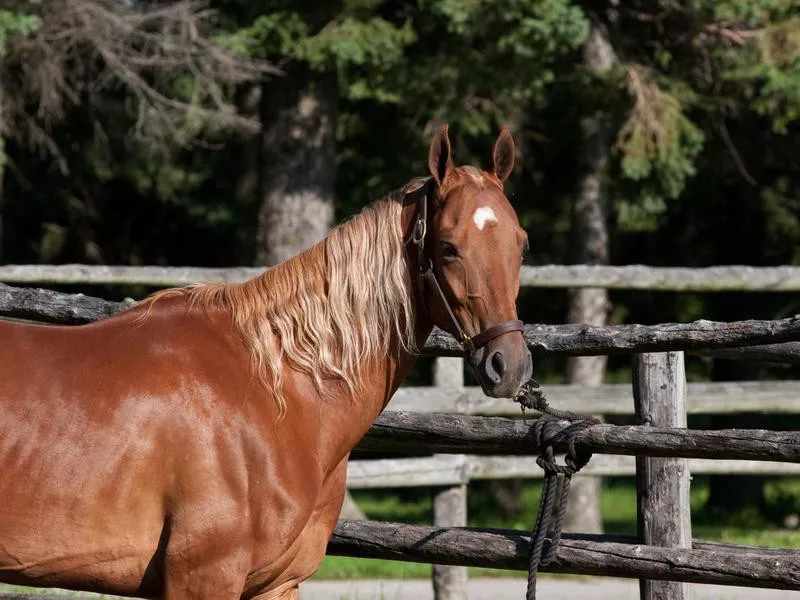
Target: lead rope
(550, 430)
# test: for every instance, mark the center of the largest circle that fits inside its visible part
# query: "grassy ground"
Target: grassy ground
(619, 515)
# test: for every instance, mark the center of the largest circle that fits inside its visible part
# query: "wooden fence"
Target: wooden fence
(463, 446)
(664, 557)
(630, 277)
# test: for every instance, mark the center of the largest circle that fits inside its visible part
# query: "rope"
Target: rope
(552, 428)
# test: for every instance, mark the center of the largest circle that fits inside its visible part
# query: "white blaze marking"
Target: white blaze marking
(482, 216)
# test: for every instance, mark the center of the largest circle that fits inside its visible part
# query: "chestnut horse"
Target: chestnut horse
(196, 445)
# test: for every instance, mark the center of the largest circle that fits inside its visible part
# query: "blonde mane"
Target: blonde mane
(327, 310)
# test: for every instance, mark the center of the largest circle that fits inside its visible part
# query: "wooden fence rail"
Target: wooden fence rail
(453, 470)
(412, 433)
(502, 549)
(720, 397)
(630, 277)
(722, 564)
(47, 305)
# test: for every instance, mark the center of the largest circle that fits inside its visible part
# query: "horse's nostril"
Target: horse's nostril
(498, 363)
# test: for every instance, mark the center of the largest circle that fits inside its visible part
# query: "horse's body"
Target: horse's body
(142, 455)
(129, 444)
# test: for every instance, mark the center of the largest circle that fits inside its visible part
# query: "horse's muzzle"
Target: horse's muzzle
(502, 366)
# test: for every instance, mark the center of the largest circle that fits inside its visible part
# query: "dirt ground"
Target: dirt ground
(597, 588)
(514, 589)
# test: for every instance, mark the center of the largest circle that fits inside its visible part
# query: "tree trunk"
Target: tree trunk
(298, 163)
(590, 305)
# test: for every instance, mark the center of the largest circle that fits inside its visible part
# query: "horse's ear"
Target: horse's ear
(503, 155)
(440, 160)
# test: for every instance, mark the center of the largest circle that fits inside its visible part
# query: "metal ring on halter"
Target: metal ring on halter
(466, 343)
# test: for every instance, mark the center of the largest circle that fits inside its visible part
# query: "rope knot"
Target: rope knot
(553, 428)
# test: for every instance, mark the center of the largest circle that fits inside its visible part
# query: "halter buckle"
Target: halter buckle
(420, 231)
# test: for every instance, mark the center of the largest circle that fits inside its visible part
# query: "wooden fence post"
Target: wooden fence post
(664, 513)
(450, 510)
(449, 504)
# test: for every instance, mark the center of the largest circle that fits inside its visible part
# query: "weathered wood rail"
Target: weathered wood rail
(569, 340)
(704, 562)
(718, 397)
(629, 277)
(452, 470)
(503, 549)
(461, 434)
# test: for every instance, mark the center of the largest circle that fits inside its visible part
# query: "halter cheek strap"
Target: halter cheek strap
(427, 279)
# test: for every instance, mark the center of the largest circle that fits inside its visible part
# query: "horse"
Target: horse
(196, 445)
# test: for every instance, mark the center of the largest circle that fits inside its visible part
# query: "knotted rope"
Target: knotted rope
(554, 427)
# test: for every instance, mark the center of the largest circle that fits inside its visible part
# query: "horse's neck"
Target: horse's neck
(401, 365)
(382, 375)
(347, 419)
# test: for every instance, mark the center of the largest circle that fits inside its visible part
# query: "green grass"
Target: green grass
(619, 518)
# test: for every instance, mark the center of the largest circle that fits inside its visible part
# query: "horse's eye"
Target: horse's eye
(449, 252)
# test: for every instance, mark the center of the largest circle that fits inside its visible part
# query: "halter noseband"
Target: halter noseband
(427, 277)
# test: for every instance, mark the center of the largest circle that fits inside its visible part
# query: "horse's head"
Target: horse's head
(475, 250)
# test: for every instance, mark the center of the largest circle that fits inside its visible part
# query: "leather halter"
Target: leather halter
(427, 278)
